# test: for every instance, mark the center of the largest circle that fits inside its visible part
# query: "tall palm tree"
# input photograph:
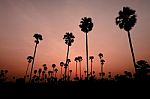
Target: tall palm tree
(91, 58)
(86, 25)
(126, 20)
(29, 58)
(61, 65)
(76, 60)
(69, 39)
(80, 59)
(37, 37)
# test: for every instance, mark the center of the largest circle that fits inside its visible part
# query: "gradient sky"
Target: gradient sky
(21, 19)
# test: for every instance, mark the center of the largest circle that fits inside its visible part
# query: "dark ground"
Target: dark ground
(76, 89)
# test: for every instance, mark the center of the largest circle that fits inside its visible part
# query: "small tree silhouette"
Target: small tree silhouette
(76, 60)
(39, 72)
(91, 58)
(29, 58)
(61, 65)
(45, 69)
(53, 66)
(142, 68)
(80, 59)
(102, 63)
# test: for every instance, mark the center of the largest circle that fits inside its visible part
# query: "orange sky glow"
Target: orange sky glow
(21, 19)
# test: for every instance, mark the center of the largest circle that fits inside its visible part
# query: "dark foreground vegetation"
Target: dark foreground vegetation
(122, 87)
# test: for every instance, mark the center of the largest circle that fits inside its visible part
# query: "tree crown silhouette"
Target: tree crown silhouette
(126, 19)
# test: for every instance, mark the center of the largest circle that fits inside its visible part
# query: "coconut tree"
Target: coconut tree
(76, 60)
(29, 58)
(61, 65)
(91, 58)
(37, 37)
(69, 39)
(86, 25)
(126, 20)
(80, 59)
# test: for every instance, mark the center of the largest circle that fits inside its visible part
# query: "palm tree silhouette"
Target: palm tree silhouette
(69, 39)
(39, 72)
(45, 68)
(56, 70)
(85, 72)
(38, 37)
(86, 25)
(61, 65)
(80, 59)
(53, 66)
(76, 60)
(70, 74)
(91, 58)
(126, 20)
(29, 58)
(102, 63)
(143, 68)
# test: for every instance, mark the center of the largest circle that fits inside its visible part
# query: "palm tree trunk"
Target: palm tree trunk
(132, 52)
(55, 74)
(68, 70)
(70, 76)
(91, 68)
(66, 61)
(76, 69)
(39, 77)
(87, 53)
(102, 71)
(26, 71)
(33, 63)
(80, 70)
(61, 72)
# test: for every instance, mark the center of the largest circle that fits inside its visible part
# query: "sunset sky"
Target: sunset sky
(21, 19)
